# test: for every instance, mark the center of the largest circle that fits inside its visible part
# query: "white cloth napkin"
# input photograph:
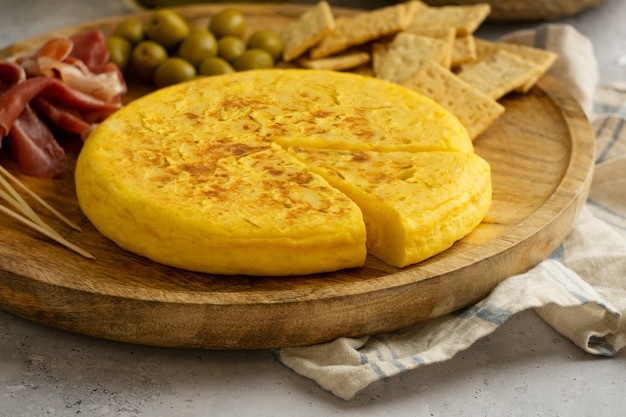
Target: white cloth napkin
(580, 290)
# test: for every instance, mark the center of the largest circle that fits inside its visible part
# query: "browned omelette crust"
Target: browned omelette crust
(196, 175)
(414, 205)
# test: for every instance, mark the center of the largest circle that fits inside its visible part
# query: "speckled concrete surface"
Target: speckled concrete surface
(525, 368)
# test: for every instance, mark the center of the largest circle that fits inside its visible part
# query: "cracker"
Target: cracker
(475, 110)
(465, 19)
(444, 33)
(344, 60)
(400, 58)
(447, 35)
(307, 30)
(362, 28)
(540, 57)
(463, 50)
(499, 73)
(413, 7)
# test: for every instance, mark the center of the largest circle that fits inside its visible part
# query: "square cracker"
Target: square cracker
(465, 19)
(499, 73)
(364, 27)
(475, 110)
(463, 50)
(342, 61)
(447, 35)
(540, 57)
(397, 60)
(307, 30)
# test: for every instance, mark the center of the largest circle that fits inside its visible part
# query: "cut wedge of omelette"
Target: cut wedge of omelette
(282, 172)
(414, 204)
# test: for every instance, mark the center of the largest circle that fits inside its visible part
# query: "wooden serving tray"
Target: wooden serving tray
(541, 153)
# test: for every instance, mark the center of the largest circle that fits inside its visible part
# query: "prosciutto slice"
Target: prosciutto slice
(81, 62)
(10, 74)
(64, 118)
(14, 100)
(90, 48)
(67, 85)
(34, 147)
(105, 85)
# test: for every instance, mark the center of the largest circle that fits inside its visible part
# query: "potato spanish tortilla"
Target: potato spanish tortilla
(282, 172)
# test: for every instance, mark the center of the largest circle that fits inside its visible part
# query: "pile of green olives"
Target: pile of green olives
(167, 50)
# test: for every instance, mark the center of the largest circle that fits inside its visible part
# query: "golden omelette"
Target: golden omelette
(414, 204)
(267, 172)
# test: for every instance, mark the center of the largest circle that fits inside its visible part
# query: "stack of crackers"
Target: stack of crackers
(428, 49)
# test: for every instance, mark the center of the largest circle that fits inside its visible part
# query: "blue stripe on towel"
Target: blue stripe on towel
(366, 351)
(558, 254)
(494, 314)
(570, 278)
(398, 364)
(614, 139)
(599, 108)
(565, 280)
(611, 213)
(418, 359)
(386, 344)
(488, 312)
(379, 372)
(603, 125)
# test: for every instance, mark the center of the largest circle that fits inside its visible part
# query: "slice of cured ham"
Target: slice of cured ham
(15, 99)
(10, 74)
(90, 48)
(35, 148)
(67, 85)
(66, 119)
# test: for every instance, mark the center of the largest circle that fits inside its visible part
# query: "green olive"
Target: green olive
(197, 46)
(267, 40)
(119, 49)
(132, 29)
(228, 22)
(253, 59)
(195, 29)
(215, 66)
(146, 57)
(167, 28)
(172, 71)
(230, 47)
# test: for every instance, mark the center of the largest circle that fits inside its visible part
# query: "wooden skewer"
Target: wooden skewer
(39, 199)
(18, 203)
(29, 217)
(48, 232)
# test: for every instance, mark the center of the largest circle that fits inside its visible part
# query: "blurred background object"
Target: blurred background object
(520, 10)
(501, 10)
(603, 24)
(361, 4)
(173, 3)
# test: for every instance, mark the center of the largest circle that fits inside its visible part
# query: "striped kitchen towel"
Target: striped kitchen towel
(580, 290)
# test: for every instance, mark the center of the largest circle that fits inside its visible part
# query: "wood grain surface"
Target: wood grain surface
(541, 152)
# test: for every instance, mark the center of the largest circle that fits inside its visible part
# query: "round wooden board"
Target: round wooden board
(541, 152)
